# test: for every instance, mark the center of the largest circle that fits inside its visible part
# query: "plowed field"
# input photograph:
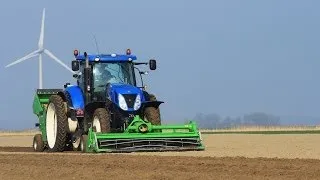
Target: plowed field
(225, 157)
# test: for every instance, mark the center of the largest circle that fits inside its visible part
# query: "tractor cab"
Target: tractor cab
(107, 70)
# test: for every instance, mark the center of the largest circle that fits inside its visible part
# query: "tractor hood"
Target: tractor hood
(125, 96)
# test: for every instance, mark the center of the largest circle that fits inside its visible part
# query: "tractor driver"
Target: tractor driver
(107, 76)
(103, 75)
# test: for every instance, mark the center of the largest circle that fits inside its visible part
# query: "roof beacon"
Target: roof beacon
(75, 52)
(128, 52)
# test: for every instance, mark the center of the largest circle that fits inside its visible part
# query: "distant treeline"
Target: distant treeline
(214, 121)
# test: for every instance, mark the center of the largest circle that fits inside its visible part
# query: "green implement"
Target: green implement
(40, 103)
(143, 136)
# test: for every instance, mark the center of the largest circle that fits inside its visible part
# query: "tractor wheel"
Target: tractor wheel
(101, 120)
(83, 143)
(72, 146)
(56, 124)
(38, 144)
(152, 114)
(76, 145)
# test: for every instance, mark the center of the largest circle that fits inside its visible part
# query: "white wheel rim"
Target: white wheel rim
(51, 125)
(96, 124)
(77, 143)
(145, 118)
(82, 145)
(35, 145)
(72, 125)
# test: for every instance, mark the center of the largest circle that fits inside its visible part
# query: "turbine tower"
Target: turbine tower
(39, 52)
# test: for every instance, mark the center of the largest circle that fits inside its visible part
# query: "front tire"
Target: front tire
(56, 124)
(152, 114)
(101, 120)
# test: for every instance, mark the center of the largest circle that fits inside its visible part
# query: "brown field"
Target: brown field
(228, 156)
(265, 128)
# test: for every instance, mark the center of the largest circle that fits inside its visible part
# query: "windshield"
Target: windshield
(112, 72)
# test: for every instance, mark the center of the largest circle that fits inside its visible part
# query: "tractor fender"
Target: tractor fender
(155, 104)
(74, 97)
(151, 100)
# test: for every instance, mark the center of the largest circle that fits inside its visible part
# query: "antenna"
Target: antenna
(95, 40)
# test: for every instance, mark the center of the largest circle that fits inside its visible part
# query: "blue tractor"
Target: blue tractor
(106, 111)
(106, 98)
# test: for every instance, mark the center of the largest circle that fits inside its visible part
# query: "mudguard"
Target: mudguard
(74, 96)
(155, 104)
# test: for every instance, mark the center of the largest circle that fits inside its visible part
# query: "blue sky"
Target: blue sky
(226, 57)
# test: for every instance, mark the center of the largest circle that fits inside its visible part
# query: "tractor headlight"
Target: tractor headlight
(122, 102)
(137, 103)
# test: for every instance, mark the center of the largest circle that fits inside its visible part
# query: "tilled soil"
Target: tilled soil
(22, 163)
(262, 157)
(231, 145)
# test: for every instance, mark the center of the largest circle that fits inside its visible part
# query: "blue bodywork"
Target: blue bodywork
(113, 90)
(76, 96)
(107, 57)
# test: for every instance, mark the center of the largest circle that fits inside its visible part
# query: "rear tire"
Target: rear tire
(101, 120)
(152, 114)
(56, 124)
(38, 145)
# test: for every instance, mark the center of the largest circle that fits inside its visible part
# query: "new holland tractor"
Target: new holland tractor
(106, 111)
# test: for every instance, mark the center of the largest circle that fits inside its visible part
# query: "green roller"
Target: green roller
(143, 136)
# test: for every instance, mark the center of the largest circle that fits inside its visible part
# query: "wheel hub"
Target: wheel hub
(96, 124)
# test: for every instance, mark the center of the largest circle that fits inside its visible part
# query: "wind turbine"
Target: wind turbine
(39, 52)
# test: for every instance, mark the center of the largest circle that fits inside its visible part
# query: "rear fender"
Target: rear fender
(74, 97)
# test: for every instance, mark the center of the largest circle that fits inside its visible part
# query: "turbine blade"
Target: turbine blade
(41, 39)
(33, 54)
(58, 60)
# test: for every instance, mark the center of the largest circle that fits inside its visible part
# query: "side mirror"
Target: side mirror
(153, 64)
(75, 65)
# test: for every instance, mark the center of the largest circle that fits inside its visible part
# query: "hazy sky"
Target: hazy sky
(227, 57)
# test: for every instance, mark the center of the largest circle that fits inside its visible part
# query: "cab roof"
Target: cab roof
(107, 57)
